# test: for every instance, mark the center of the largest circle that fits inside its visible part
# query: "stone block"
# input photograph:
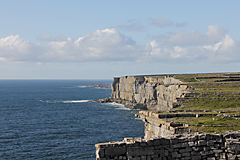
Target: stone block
(140, 151)
(143, 144)
(186, 158)
(160, 151)
(186, 154)
(166, 153)
(191, 144)
(165, 141)
(180, 145)
(195, 153)
(115, 151)
(217, 151)
(176, 155)
(202, 143)
(192, 138)
(185, 150)
(196, 157)
(206, 148)
(156, 142)
(173, 140)
(197, 149)
(143, 157)
(150, 142)
(210, 142)
(211, 158)
(205, 153)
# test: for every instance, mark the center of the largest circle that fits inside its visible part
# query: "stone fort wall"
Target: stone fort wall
(193, 146)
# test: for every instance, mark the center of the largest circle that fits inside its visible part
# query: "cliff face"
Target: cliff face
(158, 94)
(156, 126)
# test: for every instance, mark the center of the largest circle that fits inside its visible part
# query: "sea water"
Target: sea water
(54, 119)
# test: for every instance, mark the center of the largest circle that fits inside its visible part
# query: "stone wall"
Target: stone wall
(195, 147)
(159, 94)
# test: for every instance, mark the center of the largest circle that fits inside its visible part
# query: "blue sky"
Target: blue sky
(95, 39)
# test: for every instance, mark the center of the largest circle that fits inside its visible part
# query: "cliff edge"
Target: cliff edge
(179, 105)
(157, 93)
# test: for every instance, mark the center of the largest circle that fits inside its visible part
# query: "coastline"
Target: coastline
(172, 106)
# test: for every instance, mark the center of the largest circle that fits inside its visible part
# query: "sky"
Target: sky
(93, 39)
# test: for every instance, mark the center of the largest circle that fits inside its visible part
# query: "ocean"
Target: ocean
(54, 119)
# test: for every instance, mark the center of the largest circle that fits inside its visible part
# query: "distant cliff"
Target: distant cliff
(149, 92)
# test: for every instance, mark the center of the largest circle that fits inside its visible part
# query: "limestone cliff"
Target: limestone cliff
(149, 92)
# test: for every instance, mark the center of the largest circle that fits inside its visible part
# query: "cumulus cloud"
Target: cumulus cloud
(109, 45)
(100, 45)
(213, 46)
(14, 48)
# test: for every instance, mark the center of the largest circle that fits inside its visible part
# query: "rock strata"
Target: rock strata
(147, 92)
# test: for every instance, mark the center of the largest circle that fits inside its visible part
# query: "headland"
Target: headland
(180, 105)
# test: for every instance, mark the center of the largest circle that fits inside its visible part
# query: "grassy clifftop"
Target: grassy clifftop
(217, 93)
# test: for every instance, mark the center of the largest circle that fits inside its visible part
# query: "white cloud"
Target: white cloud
(109, 45)
(101, 45)
(213, 34)
(224, 51)
(162, 22)
(14, 48)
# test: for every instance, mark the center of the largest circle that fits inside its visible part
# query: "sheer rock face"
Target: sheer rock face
(158, 94)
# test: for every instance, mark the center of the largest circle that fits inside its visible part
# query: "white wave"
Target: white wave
(137, 118)
(115, 104)
(76, 101)
(67, 101)
(83, 86)
(122, 108)
(118, 106)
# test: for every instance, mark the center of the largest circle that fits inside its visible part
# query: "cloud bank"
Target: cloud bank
(109, 45)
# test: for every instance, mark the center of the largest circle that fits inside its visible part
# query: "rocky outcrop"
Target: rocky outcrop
(156, 126)
(149, 92)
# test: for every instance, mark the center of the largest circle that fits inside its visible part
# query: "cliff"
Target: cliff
(179, 106)
(152, 93)
(178, 103)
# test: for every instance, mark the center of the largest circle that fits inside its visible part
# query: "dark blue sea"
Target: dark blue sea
(53, 119)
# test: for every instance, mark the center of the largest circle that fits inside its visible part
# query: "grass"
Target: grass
(211, 124)
(214, 95)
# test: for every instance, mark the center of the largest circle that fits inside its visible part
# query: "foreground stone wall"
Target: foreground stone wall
(196, 147)
(159, 94)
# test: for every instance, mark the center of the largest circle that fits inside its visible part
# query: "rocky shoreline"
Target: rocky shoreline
(106, 86)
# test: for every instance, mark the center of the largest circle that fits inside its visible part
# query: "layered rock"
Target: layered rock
(149, 92)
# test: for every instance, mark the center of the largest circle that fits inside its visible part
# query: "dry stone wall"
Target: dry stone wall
(159, 94)
(193, 146)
